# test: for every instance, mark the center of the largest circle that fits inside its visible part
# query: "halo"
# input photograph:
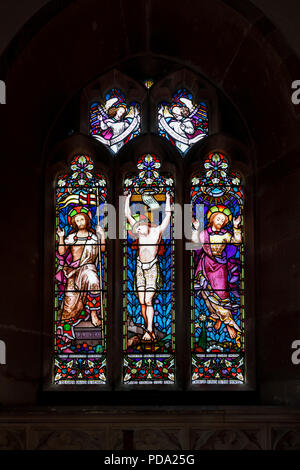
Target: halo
(140, 218)
(79, 210)
(120, 105)
(137, 224)
(222, 209)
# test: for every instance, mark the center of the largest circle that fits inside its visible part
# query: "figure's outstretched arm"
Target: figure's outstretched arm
(101, 236)
(195, 231)
(128, 215)
(62, 248)
(168, 212)
(236, 238)
(103, 124)
(187, 126)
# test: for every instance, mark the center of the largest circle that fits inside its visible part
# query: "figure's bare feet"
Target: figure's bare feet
(218, 324)
(149, 336)
(95, 319)
(146, 337)
(231, 331)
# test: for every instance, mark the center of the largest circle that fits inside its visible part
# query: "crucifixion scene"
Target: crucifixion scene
(149, 277)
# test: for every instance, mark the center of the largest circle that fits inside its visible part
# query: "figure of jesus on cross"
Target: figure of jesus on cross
(147, 265)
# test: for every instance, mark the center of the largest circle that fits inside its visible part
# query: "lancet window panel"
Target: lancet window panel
(80, 301)
(148, 276)
(217, 275)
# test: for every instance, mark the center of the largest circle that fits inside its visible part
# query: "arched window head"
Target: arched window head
(217, 274)
(114, 122)
(182, 121)
(81, 275)
(148, 286)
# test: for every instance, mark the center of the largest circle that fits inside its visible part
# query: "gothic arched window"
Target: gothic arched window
(134, 308)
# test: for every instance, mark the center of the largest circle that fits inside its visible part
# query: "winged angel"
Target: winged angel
(118, 123)
(180, 121)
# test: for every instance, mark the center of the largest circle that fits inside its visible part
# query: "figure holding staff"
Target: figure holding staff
(78, 253)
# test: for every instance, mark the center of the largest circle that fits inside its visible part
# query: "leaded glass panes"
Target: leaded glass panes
(182, 121)
(217, 275)
(114, 122)
(148, 283)
(81, 276)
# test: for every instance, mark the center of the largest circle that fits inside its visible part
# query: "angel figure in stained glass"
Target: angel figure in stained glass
(216, 270)
(183, 123)
(117, 122)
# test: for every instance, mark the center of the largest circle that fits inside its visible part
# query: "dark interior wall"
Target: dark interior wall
(245, 57)
(15, 13)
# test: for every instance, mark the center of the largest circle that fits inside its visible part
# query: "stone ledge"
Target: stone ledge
(272, 429)
(249, 414)
(155, 428)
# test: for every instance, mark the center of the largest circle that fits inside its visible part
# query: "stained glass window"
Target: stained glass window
(148, 83)
(217, 275)
(214, 284)
(182, 121)
(81, 280)
(114, 122)
(148, 284)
